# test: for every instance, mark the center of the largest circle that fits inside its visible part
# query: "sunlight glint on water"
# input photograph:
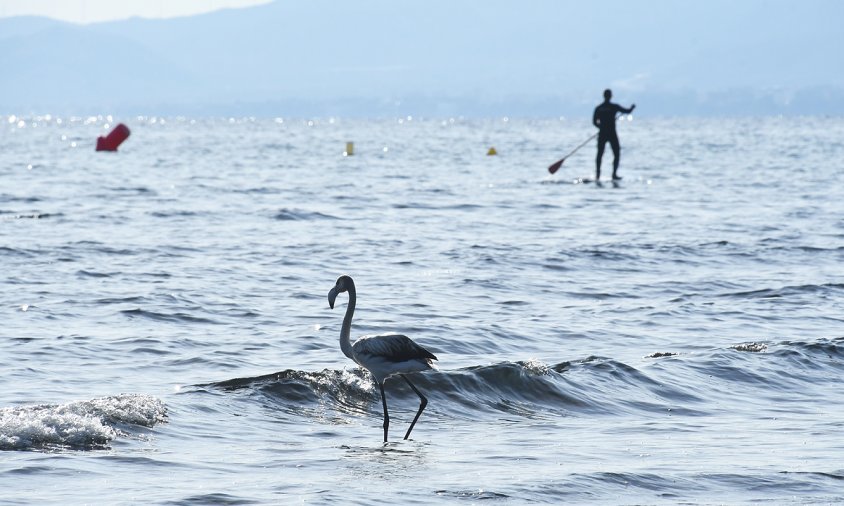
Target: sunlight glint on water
(672, 338)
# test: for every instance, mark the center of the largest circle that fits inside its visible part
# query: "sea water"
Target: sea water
(676, 337)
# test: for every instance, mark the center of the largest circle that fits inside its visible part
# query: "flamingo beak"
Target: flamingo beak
(332, 295)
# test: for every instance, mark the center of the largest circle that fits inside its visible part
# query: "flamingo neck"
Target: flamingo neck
(346, 329)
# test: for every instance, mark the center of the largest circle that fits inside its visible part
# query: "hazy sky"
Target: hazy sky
(91, 11)
(431, 56)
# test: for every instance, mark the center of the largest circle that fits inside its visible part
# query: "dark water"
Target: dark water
(674, 338)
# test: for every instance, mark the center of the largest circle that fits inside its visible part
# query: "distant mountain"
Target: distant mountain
(436, 57)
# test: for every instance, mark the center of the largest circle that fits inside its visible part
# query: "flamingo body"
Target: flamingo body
(383, 355)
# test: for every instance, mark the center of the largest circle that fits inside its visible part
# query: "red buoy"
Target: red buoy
(113, 139)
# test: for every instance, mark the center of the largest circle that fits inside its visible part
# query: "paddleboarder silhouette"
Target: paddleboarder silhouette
(604, 120)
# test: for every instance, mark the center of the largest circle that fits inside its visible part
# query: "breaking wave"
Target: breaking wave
(78, 425)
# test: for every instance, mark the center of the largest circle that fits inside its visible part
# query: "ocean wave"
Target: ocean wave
(134, 190)
(666, 382)
(84, 273)
(179, 213)
(298, 214)
(472, 495)
(432, 207)
(90, 424)
(525, 388)
(645, 487)
(14, 198)
(261, 190)
(166, 317)
(787, 291)
(7, 252)
(29, 216)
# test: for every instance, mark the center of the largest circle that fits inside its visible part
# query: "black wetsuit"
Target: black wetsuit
(604, 119)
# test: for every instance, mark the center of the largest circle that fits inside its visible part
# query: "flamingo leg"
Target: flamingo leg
(386, 416)
(422, 403)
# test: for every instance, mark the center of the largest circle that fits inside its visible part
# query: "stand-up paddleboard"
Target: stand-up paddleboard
(616, 183)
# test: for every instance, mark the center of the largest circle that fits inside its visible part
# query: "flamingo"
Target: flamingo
(383, 355)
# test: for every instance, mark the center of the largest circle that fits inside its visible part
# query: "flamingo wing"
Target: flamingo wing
(394, 347)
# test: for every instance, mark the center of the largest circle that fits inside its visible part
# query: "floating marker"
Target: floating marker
(491, 152)
(113, 139)
(350, 149)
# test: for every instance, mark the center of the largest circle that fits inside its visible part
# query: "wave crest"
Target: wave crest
(87, 424)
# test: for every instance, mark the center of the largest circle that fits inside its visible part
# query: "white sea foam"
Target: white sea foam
(79, 424)
(535, 366)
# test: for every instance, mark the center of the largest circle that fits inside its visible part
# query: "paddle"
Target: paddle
(556, 165)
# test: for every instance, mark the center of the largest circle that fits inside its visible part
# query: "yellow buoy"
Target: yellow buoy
(350, 149)
(491, 152)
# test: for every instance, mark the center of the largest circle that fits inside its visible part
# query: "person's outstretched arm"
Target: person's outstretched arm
(627, 111)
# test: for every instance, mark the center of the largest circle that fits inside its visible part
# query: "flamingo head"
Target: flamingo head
(343, 284)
